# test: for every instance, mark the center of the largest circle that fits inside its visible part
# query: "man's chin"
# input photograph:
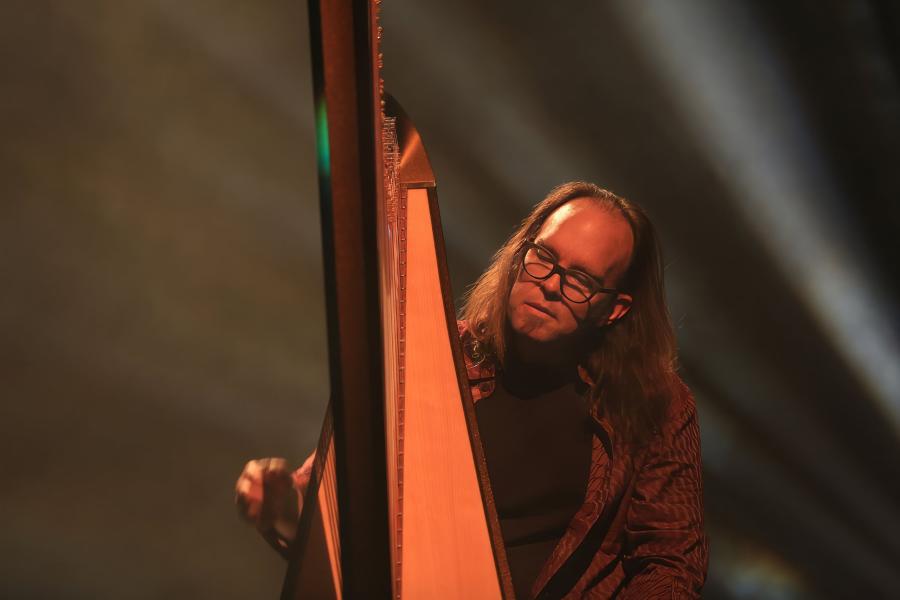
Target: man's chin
(538, 334)
(535, 329)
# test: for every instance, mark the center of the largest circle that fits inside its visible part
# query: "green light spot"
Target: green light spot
(322, 149)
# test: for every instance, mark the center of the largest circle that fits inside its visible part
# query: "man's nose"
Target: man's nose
(552, 284)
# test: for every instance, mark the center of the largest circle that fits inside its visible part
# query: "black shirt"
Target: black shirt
(537, 443)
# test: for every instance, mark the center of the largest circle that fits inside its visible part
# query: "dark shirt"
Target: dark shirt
(535, 430)
(639, 533)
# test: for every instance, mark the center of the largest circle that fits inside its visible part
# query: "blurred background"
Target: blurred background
(162, 318)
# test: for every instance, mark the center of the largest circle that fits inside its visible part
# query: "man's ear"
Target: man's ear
(621, 306)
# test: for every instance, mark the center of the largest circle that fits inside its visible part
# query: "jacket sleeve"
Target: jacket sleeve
(667, 549)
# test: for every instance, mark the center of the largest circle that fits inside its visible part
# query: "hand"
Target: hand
(265, 496)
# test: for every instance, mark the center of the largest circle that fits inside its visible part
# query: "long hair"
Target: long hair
(633, 361)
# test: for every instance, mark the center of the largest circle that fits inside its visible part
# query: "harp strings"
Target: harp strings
(328, 503)
(393, 294)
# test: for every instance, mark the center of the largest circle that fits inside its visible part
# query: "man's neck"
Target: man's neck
(542, 365)
(562, 354)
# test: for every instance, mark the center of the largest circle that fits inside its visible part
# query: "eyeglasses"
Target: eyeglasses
(576, 286)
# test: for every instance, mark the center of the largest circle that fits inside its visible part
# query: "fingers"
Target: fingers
(249, 490)
(277, 485)
(262, 489)
(248, 497)
(276, 464)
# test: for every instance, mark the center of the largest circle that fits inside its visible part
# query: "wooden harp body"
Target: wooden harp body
(399, 503)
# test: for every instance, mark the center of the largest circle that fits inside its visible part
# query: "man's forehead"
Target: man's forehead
(559, 216)
(588, 235)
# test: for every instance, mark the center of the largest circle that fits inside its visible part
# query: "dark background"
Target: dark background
(161, 314)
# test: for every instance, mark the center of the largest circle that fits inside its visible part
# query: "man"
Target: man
(591, 438)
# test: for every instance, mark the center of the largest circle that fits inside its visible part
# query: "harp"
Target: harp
(399, 504)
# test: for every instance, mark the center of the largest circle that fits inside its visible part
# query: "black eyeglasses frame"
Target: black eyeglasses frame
(530, 243)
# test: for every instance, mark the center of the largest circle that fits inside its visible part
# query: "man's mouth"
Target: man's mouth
(540, 308)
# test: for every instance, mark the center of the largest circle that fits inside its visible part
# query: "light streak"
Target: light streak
(734, 94)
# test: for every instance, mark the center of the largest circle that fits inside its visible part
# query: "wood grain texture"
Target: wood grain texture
(446, 548)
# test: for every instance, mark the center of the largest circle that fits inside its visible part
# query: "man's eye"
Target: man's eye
(580, 279)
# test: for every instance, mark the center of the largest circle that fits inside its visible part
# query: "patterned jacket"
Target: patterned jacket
(639, 533)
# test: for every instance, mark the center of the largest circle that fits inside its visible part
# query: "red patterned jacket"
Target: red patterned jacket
(639, 533)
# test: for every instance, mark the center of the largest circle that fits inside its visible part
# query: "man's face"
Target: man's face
(584, 236)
